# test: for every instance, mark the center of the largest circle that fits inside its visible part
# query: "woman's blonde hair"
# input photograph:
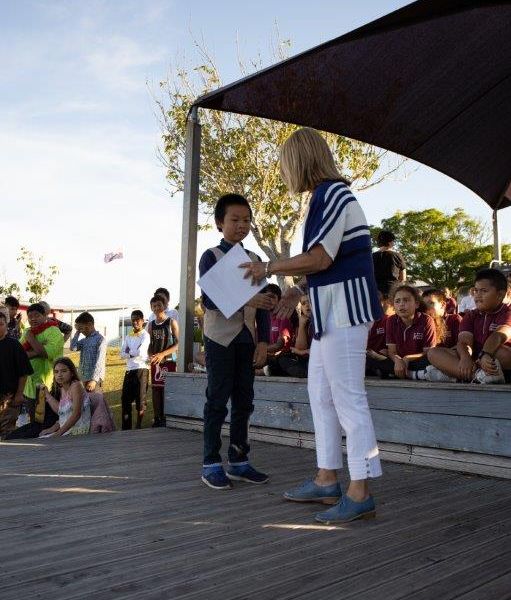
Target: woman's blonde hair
(306, 161)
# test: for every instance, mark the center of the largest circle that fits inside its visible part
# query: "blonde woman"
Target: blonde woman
(337, 263)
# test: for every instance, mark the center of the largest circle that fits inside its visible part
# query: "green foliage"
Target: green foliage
(240, 154)
(439, 248)
(40, 277)
(9, 289)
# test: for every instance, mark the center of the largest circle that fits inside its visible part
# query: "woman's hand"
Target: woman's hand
(255, 270)
(288, 303)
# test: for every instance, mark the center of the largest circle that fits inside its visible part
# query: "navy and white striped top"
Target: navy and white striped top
(347, 288)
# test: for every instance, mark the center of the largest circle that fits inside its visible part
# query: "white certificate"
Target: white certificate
(225, 285)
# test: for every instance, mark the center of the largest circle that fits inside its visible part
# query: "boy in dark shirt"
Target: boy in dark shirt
(483, 350)
(389, 265)
(233, 349)
(14, 369)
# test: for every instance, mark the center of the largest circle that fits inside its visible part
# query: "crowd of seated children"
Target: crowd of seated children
(483, 350)
(409, 335)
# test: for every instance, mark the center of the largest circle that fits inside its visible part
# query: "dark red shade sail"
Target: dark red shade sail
(431, 81)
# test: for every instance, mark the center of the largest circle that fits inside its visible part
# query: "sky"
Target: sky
(79, 168)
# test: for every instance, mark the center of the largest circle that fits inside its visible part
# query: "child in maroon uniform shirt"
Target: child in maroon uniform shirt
(483, 350)
(410, 334)
(377, 340)
(447, 325)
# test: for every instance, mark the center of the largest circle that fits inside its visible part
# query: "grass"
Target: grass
(112, 386)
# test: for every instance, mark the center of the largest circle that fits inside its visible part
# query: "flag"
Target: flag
(113, 256)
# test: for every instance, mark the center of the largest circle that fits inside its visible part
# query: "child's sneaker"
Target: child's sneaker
(434, 374)
(482, 377)
(215, 478)
(246, 472)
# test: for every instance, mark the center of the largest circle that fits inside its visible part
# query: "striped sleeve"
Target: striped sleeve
(331, 220)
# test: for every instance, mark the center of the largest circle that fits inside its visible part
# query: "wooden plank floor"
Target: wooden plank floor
(125, 516)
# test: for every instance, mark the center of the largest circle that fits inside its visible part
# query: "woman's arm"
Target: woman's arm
(76, 393)
(313, 261)
(55, 427)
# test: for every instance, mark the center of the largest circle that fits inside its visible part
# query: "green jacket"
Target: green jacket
(53, 342)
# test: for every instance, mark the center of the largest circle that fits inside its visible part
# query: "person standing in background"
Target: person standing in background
(389, 266)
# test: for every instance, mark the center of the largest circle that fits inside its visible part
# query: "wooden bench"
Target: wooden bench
(462, 427)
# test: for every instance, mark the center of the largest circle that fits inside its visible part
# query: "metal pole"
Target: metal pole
(189, 241)
(497, 251)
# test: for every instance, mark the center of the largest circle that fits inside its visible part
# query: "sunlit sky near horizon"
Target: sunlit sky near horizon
(79, 172)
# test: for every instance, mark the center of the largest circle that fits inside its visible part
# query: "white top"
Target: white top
(170, 312)
(466, 303)
(134, 350)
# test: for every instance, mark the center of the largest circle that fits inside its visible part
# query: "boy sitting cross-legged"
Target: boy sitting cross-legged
(233, 348)
(483, 350)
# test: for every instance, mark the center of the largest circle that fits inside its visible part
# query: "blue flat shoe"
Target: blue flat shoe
(309, 491)
(348, 510)
(247, 473)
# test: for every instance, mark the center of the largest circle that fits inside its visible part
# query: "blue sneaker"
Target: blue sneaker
(246, 472)
(348, 510)
(311, 492)
(215, 477)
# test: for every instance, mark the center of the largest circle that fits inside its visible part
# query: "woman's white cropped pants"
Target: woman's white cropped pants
(338, 399)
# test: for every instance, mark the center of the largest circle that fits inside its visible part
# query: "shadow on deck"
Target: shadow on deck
(125, 516)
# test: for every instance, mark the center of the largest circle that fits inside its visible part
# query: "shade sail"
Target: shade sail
(431, 81)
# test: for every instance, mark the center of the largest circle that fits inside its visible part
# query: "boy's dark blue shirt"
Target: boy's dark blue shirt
(207, 260)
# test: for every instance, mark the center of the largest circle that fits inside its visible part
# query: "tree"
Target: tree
(240, 154)
(444, 250)
(39, 277)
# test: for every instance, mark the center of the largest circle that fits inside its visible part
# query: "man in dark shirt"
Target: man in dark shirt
(14, 369)
(389, 266)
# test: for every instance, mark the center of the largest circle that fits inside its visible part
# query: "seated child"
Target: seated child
(296, 363)
(282, 333)
(447, 325)
(71, 401)
(483, 350)
(377, 339)
(410, 334)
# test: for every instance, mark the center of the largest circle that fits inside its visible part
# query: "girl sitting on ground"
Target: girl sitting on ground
(70, 401)
(410, 333)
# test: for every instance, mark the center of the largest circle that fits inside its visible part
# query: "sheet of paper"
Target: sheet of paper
(225, 285)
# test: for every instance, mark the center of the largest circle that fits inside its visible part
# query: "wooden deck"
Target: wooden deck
(125, 516)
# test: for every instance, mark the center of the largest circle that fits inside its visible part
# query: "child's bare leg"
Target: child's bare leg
(445, 359)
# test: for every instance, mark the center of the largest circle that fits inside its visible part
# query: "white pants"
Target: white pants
(338, 399)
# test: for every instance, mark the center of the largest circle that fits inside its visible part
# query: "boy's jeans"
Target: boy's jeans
(230, 375)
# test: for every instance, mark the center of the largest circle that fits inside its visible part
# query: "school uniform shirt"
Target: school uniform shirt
(452, 324)
(134, 350)
(414, 338)
(262, 317)
(481, 325)
(347, 288)
(282, 328)
(377, 339)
